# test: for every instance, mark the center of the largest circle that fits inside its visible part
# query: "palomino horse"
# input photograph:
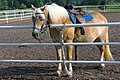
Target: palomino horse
(55, 14)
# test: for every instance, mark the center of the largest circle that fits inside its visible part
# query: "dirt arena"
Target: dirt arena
(44, 71)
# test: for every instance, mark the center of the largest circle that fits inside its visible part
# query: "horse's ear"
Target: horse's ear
(32, 7)
(42, 8)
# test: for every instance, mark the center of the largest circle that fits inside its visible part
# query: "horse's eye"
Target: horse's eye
(41, 20)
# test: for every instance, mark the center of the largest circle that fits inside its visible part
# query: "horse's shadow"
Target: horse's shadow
(22, 70)
(40, 72)
(88, 66)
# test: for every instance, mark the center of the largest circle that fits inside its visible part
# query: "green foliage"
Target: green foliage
(104, 2)
(21, 4)
(17, 4)
(94, 2)
(4, 4)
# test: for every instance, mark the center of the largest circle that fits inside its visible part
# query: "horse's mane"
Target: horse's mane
(57, 13)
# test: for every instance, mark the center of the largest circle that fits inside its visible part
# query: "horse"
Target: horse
(55, 14)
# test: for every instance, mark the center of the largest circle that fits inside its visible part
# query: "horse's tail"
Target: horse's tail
(107, 55)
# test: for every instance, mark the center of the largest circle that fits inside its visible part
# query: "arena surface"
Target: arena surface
(44, 71)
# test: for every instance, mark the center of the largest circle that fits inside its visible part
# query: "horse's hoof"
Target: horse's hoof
(59, 72)
(69, 74)
(103, 66)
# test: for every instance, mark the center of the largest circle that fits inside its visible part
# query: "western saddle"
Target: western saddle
(78, 13)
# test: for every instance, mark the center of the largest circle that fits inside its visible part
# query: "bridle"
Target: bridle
(46, 23)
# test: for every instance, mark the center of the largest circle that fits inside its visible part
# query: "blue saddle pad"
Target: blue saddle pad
(88, 17)
(72, 18)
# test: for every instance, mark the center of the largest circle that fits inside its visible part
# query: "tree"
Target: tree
(10, 4)
(4, 4)
(85, 2)
(41, 3)
(27, 2)
(0, 4)
(16, 4)
(61, 2)
(47, 1)
(104, 2)
(23, 6)
(38, 3)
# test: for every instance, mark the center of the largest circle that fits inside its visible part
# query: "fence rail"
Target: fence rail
(85, 25)
(58, 44)
(64, 25)
(56, 61)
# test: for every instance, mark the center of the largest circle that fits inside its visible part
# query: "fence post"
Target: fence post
(21, 14)
(15, 13)
(6, 15)
(104, 8)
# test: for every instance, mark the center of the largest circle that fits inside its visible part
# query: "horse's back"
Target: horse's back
(98, 17)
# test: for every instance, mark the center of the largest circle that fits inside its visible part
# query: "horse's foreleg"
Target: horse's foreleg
(59, 57)
(69, 57)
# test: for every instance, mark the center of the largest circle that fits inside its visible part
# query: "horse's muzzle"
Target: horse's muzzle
(35, 35)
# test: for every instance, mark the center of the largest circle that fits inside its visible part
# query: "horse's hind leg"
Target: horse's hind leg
(102, 50)
(107, 55)
(105, 50)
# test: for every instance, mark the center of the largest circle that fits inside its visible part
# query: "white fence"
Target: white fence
(102, 8)
(14, 15)
(63, 44)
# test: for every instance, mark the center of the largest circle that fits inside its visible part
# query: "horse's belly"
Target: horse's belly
(85, 38)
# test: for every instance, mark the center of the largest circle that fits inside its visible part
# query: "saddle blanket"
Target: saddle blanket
(72, 18)
(87, 18)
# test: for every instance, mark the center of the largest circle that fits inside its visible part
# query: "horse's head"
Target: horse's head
(40, 21)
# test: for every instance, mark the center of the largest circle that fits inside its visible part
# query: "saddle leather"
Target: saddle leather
(78, 13)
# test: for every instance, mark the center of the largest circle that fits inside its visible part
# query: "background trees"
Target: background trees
(3, 4)
(22, 4)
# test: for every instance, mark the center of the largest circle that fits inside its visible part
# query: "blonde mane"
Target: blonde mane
(57, 14)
